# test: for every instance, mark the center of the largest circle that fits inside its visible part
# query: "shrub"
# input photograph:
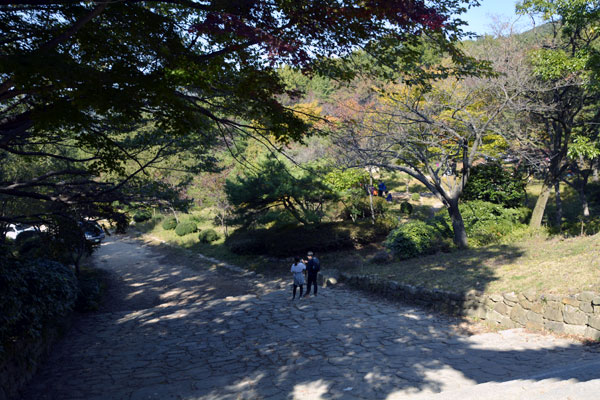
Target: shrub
(35, 294)
(169, 224)
(415, 197)
(142, 215)
(406, 207)
(488, 223)
(185, 228)
(412, 239)
(492, 183)
(208, 236)
(282, 242)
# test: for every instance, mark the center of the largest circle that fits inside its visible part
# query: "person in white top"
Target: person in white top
(297, 270)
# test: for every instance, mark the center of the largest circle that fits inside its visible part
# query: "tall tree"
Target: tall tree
(568, 65)
(133, 82)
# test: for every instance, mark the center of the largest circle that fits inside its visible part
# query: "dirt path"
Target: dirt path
(179, 328)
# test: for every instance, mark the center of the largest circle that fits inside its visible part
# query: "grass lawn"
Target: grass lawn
(561, 266)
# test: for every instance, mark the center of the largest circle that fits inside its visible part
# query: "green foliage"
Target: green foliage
(406, 208)
(169, 224)
(492, 183)
(342, 180)
(274, 186)
(412, 239)
(208, 236)
(285, 242)
(358, 206)
(488, 223)
(415, 197)
(142, 215)
(34, 293)
(185, 228)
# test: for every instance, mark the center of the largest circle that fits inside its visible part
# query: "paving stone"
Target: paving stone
(238, 346)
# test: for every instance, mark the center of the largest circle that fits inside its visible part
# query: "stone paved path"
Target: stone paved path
(172, 332)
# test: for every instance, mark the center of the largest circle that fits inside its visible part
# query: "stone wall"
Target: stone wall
(575, 315)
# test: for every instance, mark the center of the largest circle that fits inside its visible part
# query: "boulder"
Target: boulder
(519, 315)
(574, 316)
(553, 326)
(553, 311)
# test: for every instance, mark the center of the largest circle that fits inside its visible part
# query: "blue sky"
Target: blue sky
(479, 18)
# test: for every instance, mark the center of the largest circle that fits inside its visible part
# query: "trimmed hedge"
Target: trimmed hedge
(34, 294)
(185, 228)
(297, 240)
(491, 182)
(406, 208)
(412, 239)
(142, 215)
(208, 236)
(169, 224)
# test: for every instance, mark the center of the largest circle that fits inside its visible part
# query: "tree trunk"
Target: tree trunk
(458, 225)
(559, 209)
(371, 198)
(540, 207)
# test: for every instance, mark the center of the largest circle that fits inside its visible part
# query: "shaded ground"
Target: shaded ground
(176, 332)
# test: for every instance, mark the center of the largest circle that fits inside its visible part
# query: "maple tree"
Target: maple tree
(110, 89)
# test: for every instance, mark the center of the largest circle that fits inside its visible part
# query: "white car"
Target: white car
(15, 230)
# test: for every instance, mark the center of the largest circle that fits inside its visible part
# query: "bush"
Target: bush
(169, 224)
(406, 207)
(412, 239)
(488, 223)
(283, 242)
(34, 294)
(492, 183)
(142, 215)
(208, 236)
(415, 197)
(185, 228)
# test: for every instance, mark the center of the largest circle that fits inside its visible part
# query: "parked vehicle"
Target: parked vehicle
(93, 231)
(15, 230)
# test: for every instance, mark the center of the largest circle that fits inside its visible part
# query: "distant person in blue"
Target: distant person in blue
(313, 266)
(389, 198)
(382, 188)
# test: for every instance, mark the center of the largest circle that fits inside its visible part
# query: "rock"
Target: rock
(596, 301)
(537, 307)
(596, 310)
(534, 326)
(473, 294)
(586, 307)
(553, 312)
(574, 316)
(553, 326)
(511, 297)
(496, 298)
(502, 308)
(587, 296)
(535, 317)
(592, 333)
(331, 281)
(518, 314)
(530, 295)
(572, 301)
(594, 322)
(552, 297)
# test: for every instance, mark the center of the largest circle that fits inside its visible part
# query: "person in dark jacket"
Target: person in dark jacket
(313, 266)
(382, 188)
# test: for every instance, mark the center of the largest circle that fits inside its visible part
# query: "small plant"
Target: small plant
(406, 207)
(208, 236)
(185, 228)
(411, 239)
(169, 224)
(142, 215)
(415, 197)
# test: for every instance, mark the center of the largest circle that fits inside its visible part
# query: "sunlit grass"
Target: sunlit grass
(555, 265)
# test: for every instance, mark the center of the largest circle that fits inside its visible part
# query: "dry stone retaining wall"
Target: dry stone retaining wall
(576, 315)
